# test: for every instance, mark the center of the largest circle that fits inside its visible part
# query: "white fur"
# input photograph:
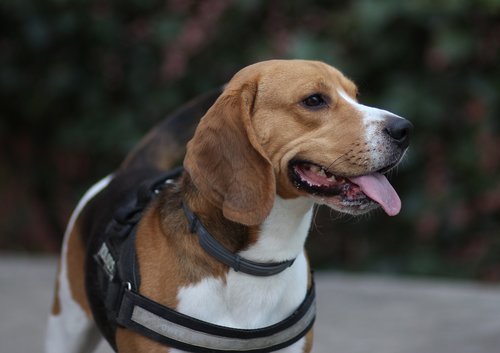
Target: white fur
(372, 119)
(370, 114)
(72, 331)
(244, 301)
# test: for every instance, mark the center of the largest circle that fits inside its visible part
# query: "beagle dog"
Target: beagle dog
(210, 257)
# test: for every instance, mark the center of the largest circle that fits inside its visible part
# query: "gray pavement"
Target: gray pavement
(356, 314)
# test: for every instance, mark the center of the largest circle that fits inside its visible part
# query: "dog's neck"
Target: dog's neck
(283, 233)
(279, 238)
(267, 300)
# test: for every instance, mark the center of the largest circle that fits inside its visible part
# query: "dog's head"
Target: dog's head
(294, 128)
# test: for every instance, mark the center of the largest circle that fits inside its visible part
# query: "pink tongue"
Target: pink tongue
(377, 187)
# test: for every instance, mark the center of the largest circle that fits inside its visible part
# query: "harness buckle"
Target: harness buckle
(127, 286)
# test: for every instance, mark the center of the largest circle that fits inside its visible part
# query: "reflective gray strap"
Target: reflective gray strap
(174, 329)
(189, 336)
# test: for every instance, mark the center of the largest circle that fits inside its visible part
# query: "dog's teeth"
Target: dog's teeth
(314, 168)
(321, 173)
(332, 178)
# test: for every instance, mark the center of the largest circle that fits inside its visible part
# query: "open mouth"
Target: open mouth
(356, 194)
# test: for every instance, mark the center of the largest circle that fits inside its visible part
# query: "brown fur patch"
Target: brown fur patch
(56, 303)
(75, 260)
(309, 341)
(168, 253)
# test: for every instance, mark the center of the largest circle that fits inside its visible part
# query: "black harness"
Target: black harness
(126, 307)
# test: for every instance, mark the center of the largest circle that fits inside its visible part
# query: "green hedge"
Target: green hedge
(82, 81)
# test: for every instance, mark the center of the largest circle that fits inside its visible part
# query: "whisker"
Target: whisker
(315, 216)
(337, 161)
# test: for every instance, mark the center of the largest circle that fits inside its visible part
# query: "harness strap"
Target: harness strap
(128, 308)
(177, 330)
(218, 251)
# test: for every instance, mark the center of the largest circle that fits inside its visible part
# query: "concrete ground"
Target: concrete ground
(356, 314)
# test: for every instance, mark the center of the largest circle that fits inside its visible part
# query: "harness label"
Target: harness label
(106, 260)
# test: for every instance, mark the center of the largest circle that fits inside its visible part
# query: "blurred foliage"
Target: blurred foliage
(82, 81)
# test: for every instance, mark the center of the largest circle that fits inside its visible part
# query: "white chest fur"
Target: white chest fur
(245, 301)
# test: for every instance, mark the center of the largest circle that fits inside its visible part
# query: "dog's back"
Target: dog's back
(160, 150)
(165, 145)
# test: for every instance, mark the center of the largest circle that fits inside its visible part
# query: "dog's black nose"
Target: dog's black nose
(399, 130)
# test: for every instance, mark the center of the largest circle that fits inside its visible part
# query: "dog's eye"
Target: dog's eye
(314, 101)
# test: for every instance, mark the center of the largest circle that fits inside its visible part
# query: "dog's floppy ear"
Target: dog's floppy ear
(226, 162)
